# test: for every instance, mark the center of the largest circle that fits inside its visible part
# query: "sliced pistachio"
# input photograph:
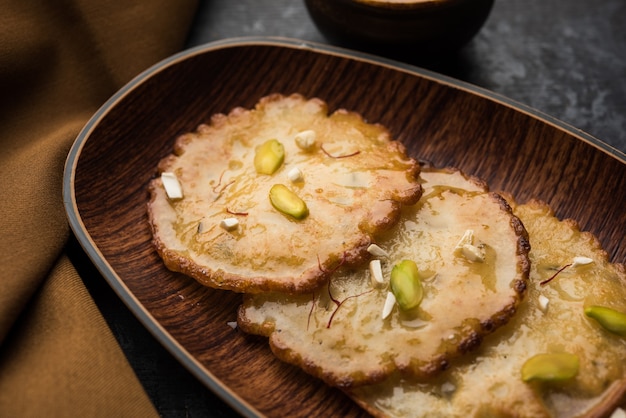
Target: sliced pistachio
(287, 202)
(610, 319)
(406, 285)
(305, 140)
(550, 367)
(269, 156)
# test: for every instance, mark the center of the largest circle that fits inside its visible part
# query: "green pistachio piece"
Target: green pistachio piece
(406, 285)
(610, 319)
(269, 156)
(550, 367)
(287, 202)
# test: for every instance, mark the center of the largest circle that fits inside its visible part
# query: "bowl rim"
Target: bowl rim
(393, 6)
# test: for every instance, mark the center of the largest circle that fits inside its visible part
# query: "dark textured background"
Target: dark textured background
(566, 58)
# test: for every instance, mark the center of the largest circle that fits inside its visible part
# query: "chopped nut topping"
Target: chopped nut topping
(581, 261)
(467, 249)
(390, 301)
(305, 140)
(467, 238)
(543, 303)
(295, 175)
(229, 224)
(376, 251)
(473, 253)
(376, 273)
(172, 186)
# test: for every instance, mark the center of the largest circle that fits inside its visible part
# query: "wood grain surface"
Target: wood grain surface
(514, 150)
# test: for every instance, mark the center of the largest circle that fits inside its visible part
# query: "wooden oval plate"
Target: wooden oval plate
(514, 148)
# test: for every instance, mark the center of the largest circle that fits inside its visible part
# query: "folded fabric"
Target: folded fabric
(59, 61)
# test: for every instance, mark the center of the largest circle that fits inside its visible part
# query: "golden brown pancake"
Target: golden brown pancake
(551, 320)
(339, 334)
(349, 178)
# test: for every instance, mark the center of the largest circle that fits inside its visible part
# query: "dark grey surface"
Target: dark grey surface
(566, 58)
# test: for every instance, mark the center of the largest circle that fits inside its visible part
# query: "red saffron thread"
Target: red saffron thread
(236, 213)
(330, 294)
(330, 320)
(319, 264)
(554, 275)
(338, 156)
(308, 322)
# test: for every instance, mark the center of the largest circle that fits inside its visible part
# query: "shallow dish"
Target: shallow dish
(514, 148)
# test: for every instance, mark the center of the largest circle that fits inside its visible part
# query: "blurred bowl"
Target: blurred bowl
(394, 27)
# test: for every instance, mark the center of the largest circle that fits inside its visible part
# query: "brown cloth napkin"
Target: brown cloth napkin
(59, 61)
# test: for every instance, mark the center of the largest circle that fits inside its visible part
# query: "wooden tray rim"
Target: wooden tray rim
(116, 282)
